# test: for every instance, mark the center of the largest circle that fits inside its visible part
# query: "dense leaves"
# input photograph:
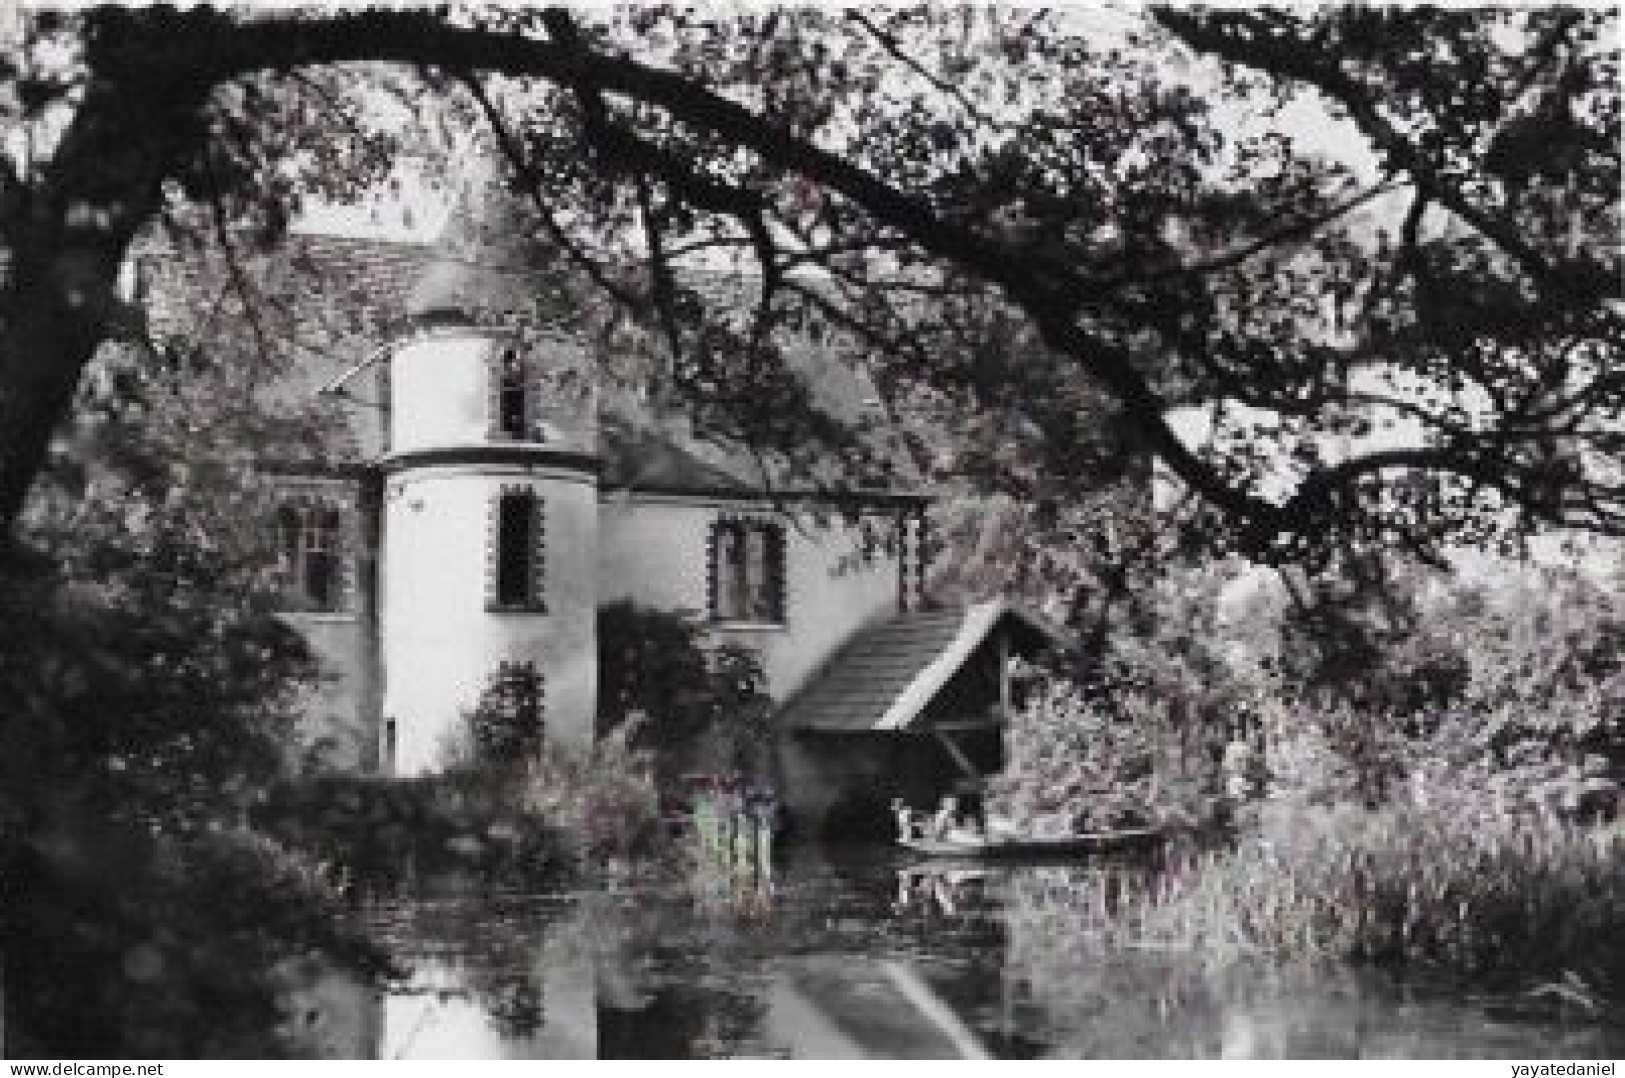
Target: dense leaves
(120, 943)
(149, 667)
(507, 721)
(155, 696)
(691, 705)
(1409, 343)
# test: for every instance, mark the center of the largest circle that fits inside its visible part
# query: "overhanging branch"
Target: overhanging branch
(1050, 292)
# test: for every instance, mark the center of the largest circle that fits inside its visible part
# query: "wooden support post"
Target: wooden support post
(900, 522)
(1005, 696)
(922, 554)
(375, 756)
(957, 753)
(975, 723)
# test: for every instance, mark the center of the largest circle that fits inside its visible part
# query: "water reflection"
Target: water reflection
(943, 891)
(865, 956)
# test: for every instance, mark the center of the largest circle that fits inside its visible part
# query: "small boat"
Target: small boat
(1032, 846)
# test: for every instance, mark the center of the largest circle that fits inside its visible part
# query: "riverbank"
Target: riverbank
(539, 826)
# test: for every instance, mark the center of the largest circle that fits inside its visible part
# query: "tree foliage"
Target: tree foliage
(151, 672)
(155, 693)
(994, 213)
(669, 693)
(507, 721)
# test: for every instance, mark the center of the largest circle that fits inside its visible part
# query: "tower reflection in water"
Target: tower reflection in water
(864, 956)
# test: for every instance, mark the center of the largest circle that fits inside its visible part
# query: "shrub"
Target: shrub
(1513, 690)
(694, 706)
(506, 724)
(1073, 762)
(377, 833)
(605, 798)
(121, 943)
(1138, 734)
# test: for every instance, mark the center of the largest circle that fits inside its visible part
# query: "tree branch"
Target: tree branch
(234, 269)
(1051, 291)
(1292, 230)
(1291, 58)
(661, 286)
(894, 48)
(525, 171)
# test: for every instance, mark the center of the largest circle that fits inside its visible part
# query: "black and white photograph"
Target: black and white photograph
(740, 530)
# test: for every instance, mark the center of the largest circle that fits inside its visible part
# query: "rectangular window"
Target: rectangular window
(516, 581)
(758, 582)
(311, 547)
(513, 397)
(514, 550)
(732, 585)
(747, 571)
(321, 578)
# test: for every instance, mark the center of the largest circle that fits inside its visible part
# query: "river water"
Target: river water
(864, 954)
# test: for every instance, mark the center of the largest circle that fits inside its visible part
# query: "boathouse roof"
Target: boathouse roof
(886, 676)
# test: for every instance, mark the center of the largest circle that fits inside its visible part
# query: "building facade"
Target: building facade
(495, 512)
(482, 501)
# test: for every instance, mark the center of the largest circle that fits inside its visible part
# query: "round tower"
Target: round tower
(490, 524)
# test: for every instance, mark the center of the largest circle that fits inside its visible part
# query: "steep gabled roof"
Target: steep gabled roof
(380, 274)
(885, 676)
(640, 459)
(333, 304)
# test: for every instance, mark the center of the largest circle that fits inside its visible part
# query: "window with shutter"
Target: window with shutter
(747, 571)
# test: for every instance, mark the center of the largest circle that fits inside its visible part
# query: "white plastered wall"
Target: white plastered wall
(442, 644)
(652, 549)
(439, 390)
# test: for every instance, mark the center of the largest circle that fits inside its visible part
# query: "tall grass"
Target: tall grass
(1509, 902)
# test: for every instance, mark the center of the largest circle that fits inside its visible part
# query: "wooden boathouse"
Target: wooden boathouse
(915, 706)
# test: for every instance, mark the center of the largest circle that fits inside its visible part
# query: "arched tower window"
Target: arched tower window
(516, 551)
(310, 542)
(747, 570)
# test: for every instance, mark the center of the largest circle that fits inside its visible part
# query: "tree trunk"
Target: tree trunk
(46, 345)
(60, 300)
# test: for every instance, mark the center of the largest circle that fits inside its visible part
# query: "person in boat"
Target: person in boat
(905, 892)
(972, 807)
(907, 825)
(968, 830)
(946, 820)
(945, 893)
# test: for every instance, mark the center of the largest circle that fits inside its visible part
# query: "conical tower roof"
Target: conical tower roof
(487, 267)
